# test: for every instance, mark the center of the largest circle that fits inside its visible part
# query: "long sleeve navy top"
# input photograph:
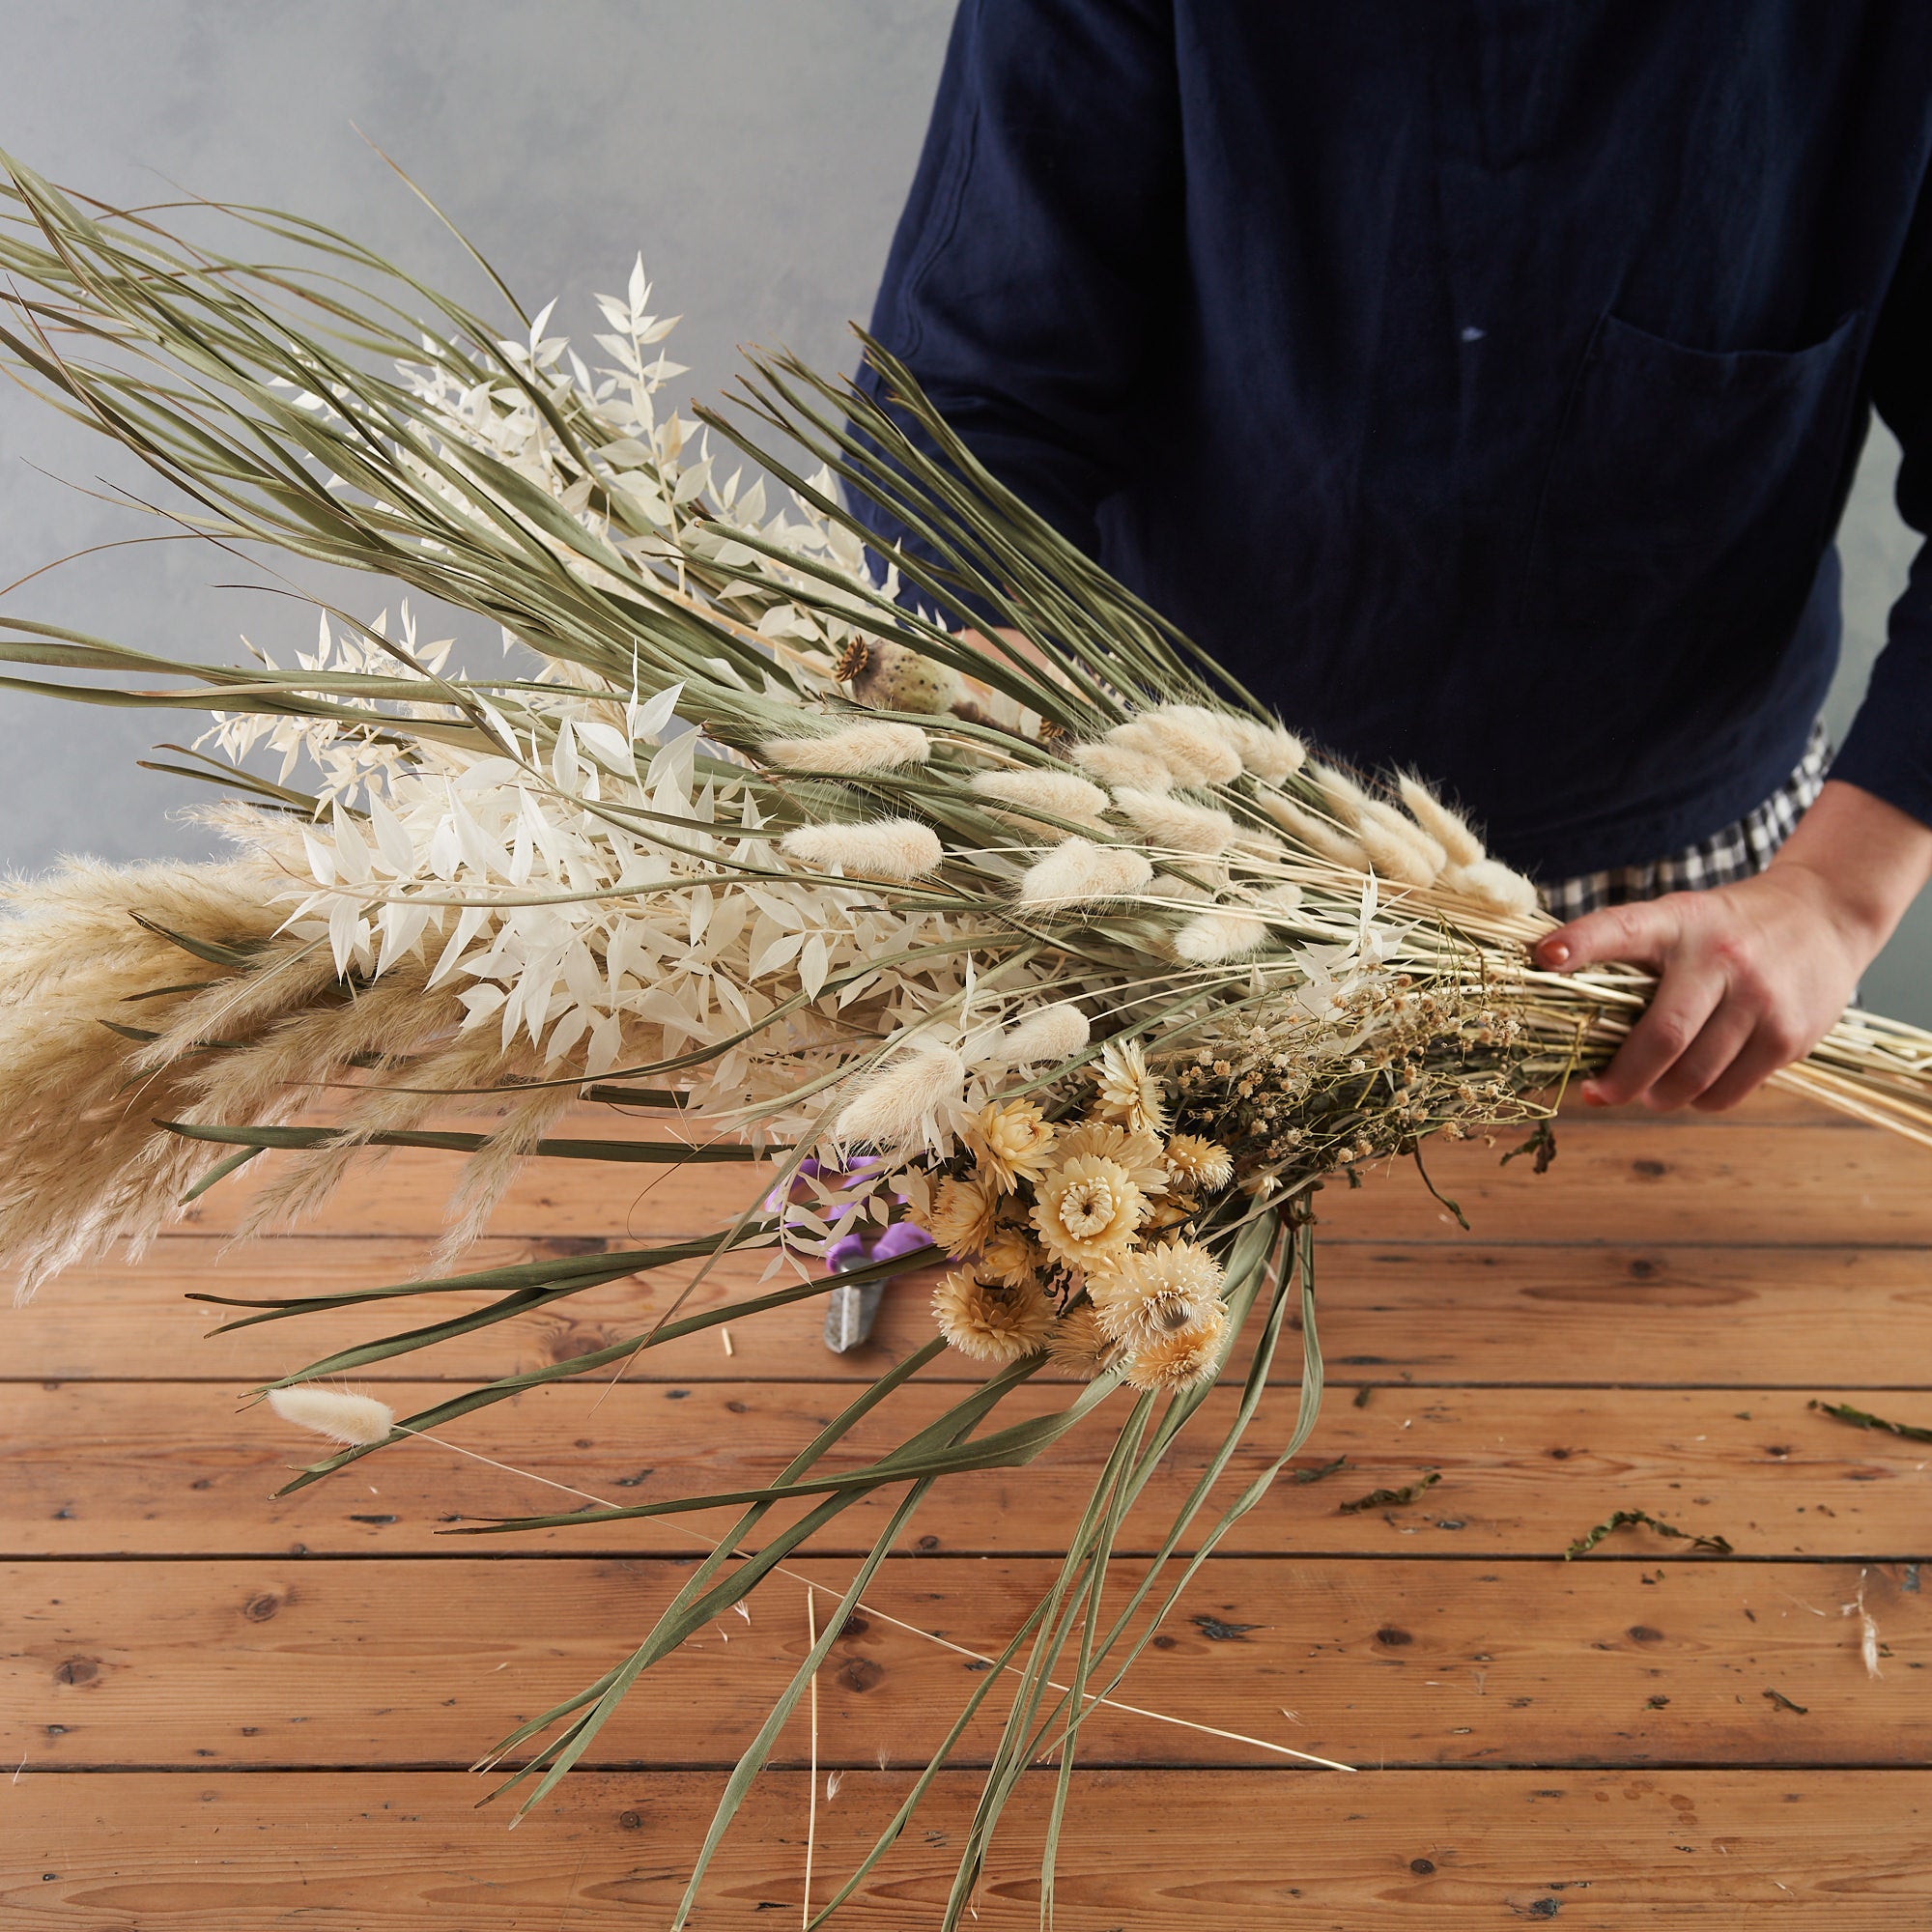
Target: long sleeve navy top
(1480, 380)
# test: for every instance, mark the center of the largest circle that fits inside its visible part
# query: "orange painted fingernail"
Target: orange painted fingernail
(1556, 955)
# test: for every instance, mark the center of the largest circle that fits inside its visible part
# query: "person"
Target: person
(1481, 383)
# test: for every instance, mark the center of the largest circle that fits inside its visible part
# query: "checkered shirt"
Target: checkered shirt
(1737, 852)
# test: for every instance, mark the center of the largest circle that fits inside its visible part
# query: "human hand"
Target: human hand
(1751, 976)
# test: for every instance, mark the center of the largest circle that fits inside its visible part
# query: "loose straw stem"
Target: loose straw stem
(812, 1787)
(912, 1630)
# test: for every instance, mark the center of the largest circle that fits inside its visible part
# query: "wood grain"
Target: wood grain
(1515, 1313)
(1391, 1852)
(167, 1469)
(1384, 1661)
(1797, 1183)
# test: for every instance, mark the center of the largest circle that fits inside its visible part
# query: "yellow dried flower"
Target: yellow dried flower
(1157, 1292)
(1140, 1153)
(1203, 1162)
(1086, 1212)
(1079, 1345)
(989, 1322)
(1011, 1142)
(960, 1219)
(1009, 1257)
(1128, 1093)
(1180, 1359)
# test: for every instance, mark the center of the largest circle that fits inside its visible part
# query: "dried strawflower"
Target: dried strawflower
(892, 1108)
(1078, 1345)
(1086, 1212)
(990, 1322)
(960, 1219)
(1181, 1359)
(1125, 1092)
(1157, 1290)
(1010, 1258)
(857, 749)
(881, 848)
(1130, 1149)
(357, 1420)
(1080, 872)
(1199, 1161)
(1044, 796)
(1011, 1141)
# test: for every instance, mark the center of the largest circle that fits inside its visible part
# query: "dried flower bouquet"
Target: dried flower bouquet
(1084, 977)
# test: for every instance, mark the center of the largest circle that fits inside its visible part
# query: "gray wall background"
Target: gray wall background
(757, 151)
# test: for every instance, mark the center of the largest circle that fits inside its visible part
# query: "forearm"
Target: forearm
(1870, 859)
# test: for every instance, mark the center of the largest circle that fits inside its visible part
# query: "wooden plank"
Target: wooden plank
(1616, 1181)
(1437, 1312)
(1401, 1662)
(222, 1852)
(164, 1469)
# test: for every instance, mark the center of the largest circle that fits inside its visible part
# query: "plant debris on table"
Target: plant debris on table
(1717, 1546)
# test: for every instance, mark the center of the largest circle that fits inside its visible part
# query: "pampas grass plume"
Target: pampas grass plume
(355, 1420)
(1214, 936)
(883, 848)
(857, 749)
(1118, 764)
(1057, 794)
(1175, 825)
(1052, 1034)
(1081, 870)
(891, 1107)
(1186, 739)
(1324, 840)
(1266, 750)
(1447, 828)
(1493, 886)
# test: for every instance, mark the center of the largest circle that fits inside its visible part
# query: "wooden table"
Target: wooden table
(232, 1713)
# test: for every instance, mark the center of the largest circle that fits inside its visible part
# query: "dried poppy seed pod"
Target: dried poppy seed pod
(887, 676)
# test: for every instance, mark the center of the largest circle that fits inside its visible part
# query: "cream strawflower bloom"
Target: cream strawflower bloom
(960, 1219)
(1199, 1161)
(1127, 1092)
(1179, 1359)
(1011, 1142)
(1158, 1291)
(989, 1322)
(1079, 1345)
(1009, 1257)
(1086, 1212)
(1138, 1152)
